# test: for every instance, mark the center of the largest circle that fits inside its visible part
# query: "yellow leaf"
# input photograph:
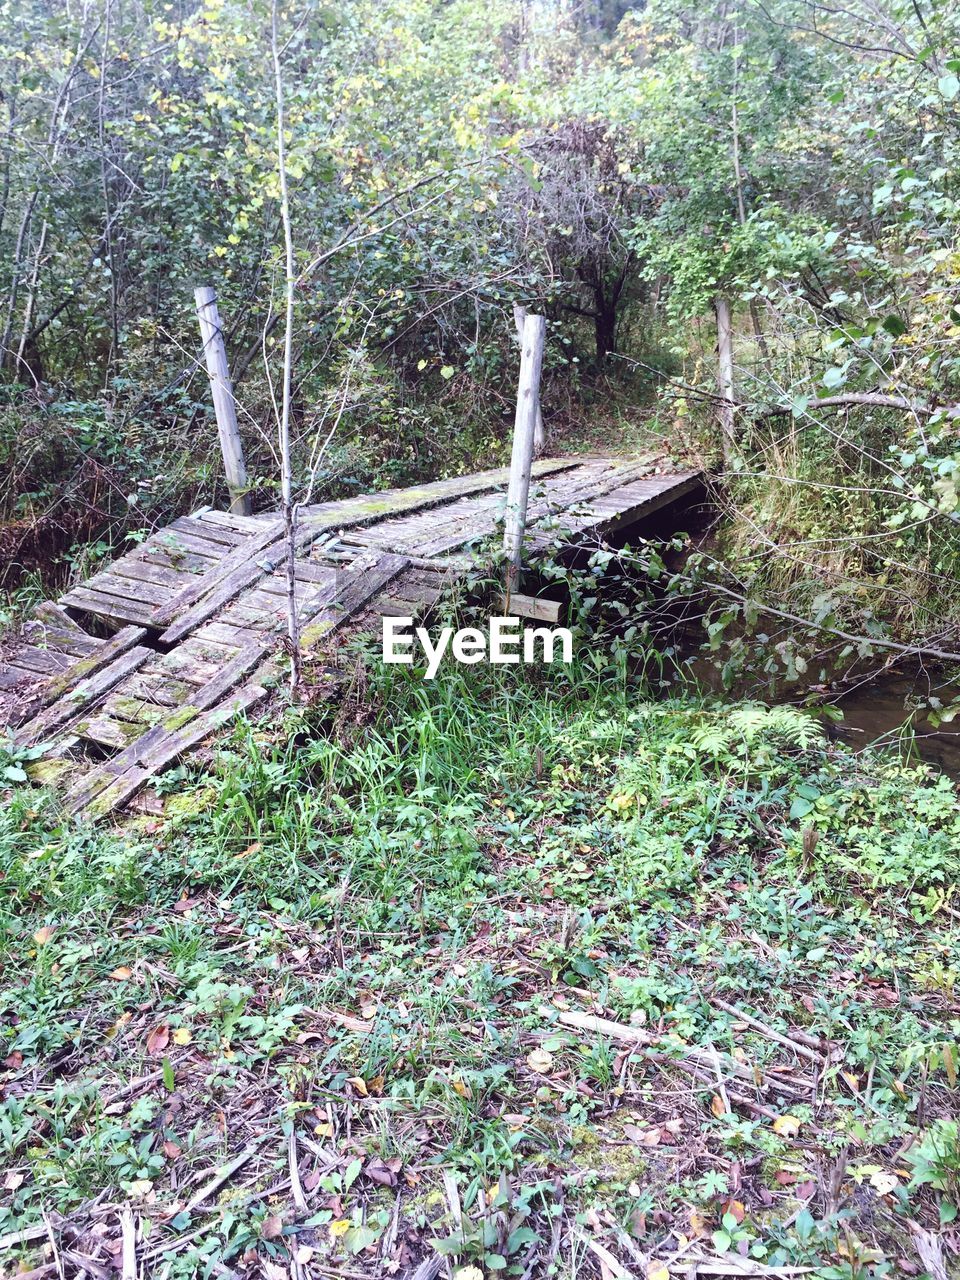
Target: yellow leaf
(468, 1273)
(121, 974)
(182, 1036)
(461, 1087)
(540, 1061)
(786, 1126)
(360, 1085)
(718, 1106)
(339, 1227)
(656, 1272)
(43, 936)
(142, 1187)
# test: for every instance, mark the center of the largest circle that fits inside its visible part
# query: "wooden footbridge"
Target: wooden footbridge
(131, 670)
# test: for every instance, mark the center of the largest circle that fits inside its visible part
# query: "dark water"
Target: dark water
(878, 711)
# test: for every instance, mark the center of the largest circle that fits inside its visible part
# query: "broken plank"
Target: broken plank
(125, 706)
(354, 590)
(111, 789)
(74, 643)
(108, 732)
(50, 613)
(85, 668)
(137, 752)
(162, 690)
(73, 702)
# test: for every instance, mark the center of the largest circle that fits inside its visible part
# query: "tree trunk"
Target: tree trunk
(726, 411)
(605, 329)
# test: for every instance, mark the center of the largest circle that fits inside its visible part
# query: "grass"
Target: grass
(355, 952)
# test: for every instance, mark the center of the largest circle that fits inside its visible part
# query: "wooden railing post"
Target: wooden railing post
(521, 459)
(215, 351)
(539, 431)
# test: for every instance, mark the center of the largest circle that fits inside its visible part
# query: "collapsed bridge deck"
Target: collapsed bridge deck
(197, 611)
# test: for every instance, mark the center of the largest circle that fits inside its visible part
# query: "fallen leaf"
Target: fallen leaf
(468, 1273)
(718, 1106)
(43, 936)
(14, 1061)
(141, 1187)
(339, 1227)
(171, 1150)
(380, 1173)
(656, 1272)
(182, 1036)
(14, 1180)
(359, 1085)
(736, 1209)
(121, 973)
(786, 1126)
(461, 1087)
(540, 1060)
(158, 1039)
(271, 1227)
(884, 1182)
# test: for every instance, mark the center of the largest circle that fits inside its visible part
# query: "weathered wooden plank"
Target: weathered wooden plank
(208, 531)
(183, 561)
(353, 592)
(13, 677)
(164, 690)
(109, 584)
(113, 608)
(181, 543)
(50, 614)
(160, 575)
(43, 661)
(229, 519)
(378, 506)
(222, 632)
(107, 731)
(117, 782)
(180, 665)
(73, 643)
(85, 668)
(125, 706)
(72, 703)
(200, 601)
(522, 606)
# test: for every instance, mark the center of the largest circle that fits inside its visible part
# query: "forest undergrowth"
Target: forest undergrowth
(523, 976)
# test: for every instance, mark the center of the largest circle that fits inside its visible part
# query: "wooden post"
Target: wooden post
(727, 409)
(521, 459)
(539, 432)
(214, 348)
